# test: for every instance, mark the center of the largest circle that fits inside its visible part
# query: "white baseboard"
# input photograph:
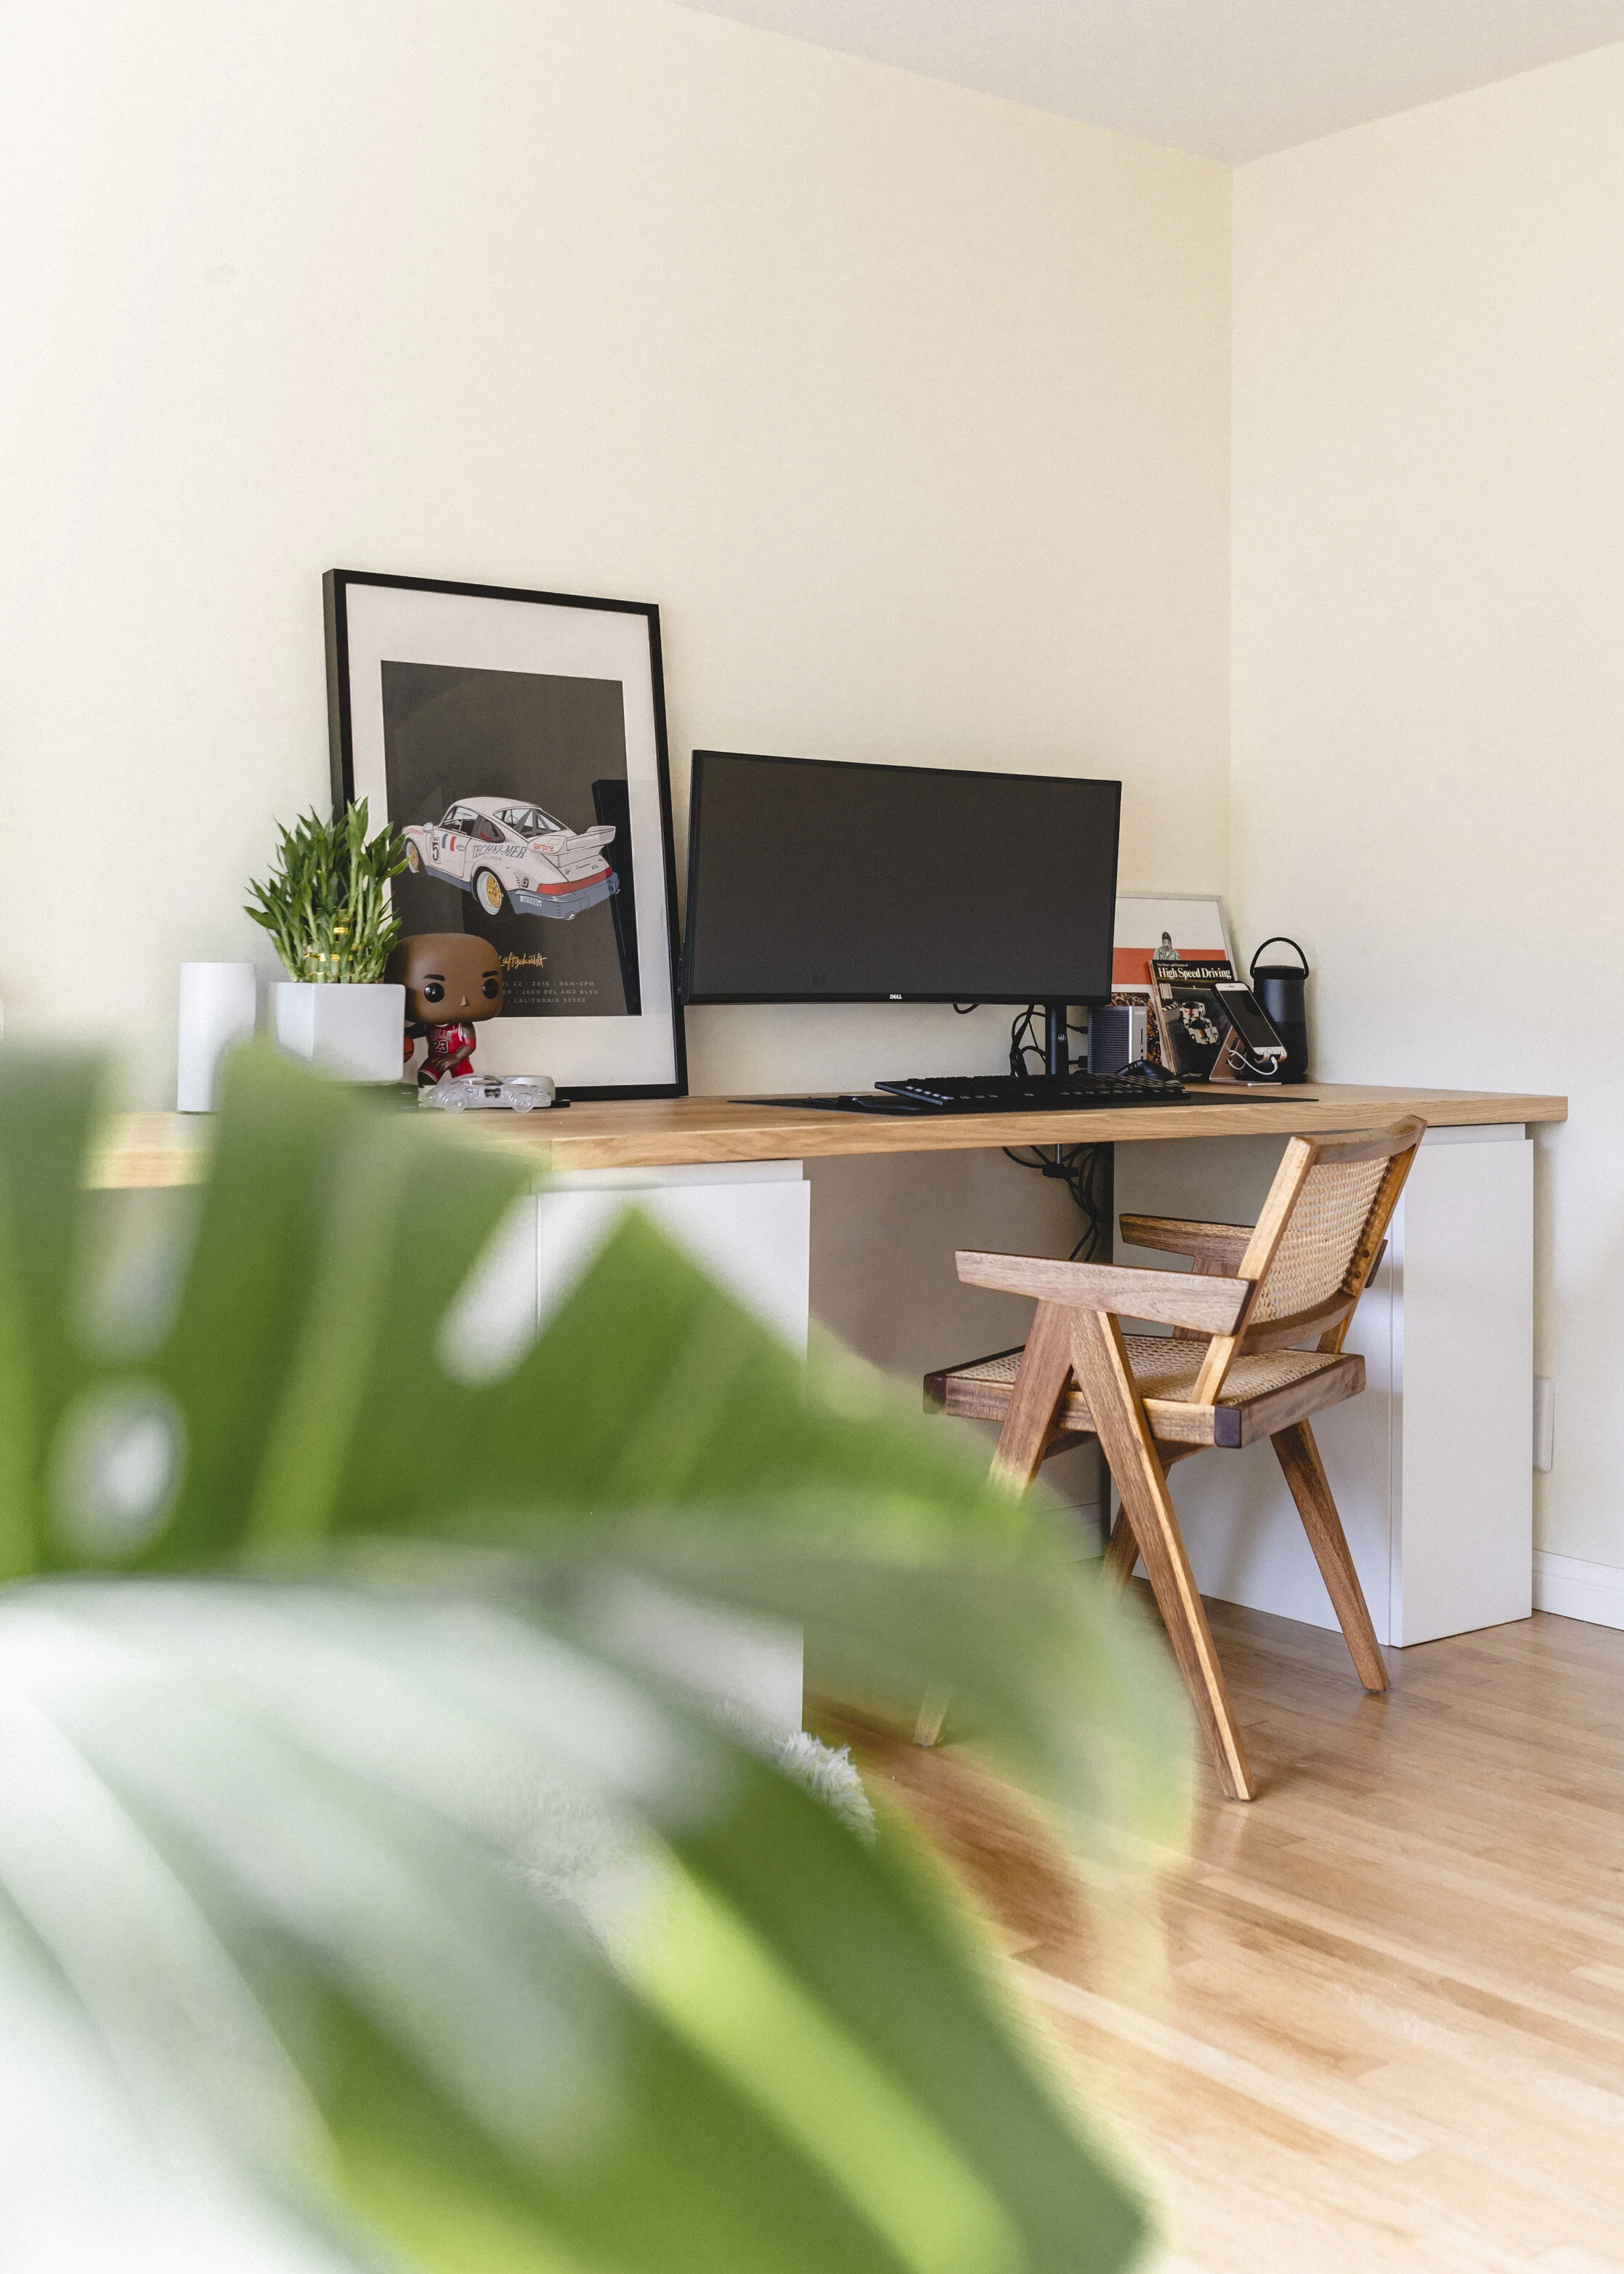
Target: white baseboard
(1576, 1590)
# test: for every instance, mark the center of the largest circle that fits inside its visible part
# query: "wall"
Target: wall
(912, 409)
(1429, 703)
(908, 406)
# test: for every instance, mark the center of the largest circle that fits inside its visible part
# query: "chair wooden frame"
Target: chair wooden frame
(1075, 1380)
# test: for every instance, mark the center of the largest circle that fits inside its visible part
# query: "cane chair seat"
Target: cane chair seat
(1261, 1393)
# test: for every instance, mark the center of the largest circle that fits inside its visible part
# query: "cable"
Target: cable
(1260, 1069)
(964, 1009)
(1023, 1039)
(1084, 1170)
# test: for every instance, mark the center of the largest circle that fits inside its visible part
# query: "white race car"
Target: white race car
(516, 1092)
(509, 855)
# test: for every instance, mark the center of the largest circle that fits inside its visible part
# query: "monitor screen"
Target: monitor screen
(813, 881)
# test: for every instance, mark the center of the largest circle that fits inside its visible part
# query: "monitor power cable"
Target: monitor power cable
(1084, 1169)
(1025, 1042)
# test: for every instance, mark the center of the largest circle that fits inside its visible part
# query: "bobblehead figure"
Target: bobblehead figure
(451, 979)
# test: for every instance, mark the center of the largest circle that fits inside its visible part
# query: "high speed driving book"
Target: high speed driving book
(1188, 1022)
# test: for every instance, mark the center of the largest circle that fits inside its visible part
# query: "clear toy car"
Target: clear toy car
(514, 855)
(513, 1093)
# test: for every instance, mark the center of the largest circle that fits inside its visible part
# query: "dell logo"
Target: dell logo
(895, 998)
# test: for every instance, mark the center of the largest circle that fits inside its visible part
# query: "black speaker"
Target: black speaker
(1281, 992)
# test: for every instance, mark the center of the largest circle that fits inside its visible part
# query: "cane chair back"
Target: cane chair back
(1313, 1247)
(1321, 1241)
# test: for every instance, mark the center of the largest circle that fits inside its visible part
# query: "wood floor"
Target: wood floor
(1379, 2021)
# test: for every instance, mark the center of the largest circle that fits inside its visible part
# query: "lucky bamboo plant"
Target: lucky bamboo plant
(369, 1896)
(326, 903)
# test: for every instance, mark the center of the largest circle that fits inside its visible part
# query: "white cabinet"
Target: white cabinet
(1431, 1467)
(748, 1224)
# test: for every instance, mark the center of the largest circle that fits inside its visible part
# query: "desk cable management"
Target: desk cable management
(1084, 1169)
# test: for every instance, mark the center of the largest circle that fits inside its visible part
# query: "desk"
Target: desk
(164, 1149)
(1431, 1467)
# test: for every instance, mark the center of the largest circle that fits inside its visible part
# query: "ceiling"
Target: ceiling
(1228, 78)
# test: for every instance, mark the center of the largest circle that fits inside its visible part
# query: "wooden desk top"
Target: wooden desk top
(169, 1149)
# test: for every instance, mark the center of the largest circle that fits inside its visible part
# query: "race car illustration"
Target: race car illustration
(510, 854)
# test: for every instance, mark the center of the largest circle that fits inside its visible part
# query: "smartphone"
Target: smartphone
(1240, 1008)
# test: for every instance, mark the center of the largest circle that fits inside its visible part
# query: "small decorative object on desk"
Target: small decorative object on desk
(468, 1093)
(326, 905)
(451, 979)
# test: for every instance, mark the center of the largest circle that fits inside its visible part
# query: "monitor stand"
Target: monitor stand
(1056, 1041)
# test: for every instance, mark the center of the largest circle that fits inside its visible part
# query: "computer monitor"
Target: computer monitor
(816, 881)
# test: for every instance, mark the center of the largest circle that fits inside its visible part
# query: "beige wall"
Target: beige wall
(1429, 668)
(912, 411)
(909, 407)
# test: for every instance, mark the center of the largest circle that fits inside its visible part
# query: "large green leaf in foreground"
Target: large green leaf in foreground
(360, 1891)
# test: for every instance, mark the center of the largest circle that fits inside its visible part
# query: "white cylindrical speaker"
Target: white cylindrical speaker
(217, 1013)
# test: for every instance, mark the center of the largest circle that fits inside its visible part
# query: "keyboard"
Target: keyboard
(1027, 1093)
(996, 1093)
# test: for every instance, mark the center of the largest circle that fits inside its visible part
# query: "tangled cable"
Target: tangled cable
(1084, 1169)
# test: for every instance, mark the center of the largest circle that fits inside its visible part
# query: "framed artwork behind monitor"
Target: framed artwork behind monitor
(1187, 932)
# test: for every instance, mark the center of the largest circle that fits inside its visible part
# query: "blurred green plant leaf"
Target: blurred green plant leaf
(422, 1912)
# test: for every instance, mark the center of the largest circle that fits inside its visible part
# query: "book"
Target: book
(1191, 1026)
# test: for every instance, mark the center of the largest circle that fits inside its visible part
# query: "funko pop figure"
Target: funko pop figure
(451, 979)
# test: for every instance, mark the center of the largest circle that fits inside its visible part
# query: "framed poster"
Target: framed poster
(517, 741)
(1166, 951)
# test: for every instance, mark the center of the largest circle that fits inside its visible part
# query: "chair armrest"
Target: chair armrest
(1172, 1299)
(1218, 1245)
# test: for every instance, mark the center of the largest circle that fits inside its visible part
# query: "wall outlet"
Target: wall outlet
(1545, 1422)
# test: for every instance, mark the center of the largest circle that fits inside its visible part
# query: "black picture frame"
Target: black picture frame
(647, 965)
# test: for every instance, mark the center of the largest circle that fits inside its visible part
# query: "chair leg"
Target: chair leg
(932, 1712)
(1122, 1554)
(1039, 1385)
(1023, 1445)
(1107, 1381)
(1304, 1471)
(1122, 1551)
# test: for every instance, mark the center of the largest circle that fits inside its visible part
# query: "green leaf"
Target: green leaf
(774, 2051)
(874, 1950)
(298, 1866)
(46, 1107)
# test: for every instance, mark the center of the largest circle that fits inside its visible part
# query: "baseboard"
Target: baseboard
(1576, 1590)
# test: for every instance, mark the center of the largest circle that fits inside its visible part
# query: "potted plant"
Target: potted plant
(326, 904)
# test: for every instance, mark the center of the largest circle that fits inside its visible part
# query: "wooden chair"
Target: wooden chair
(1258, 1327)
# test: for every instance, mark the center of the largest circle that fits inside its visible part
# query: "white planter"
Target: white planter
(355, 1033)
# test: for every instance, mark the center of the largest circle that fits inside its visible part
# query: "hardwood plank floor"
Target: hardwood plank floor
(1378, 2022)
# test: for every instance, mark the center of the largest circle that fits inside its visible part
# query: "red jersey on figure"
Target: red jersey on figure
(451, 1052)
